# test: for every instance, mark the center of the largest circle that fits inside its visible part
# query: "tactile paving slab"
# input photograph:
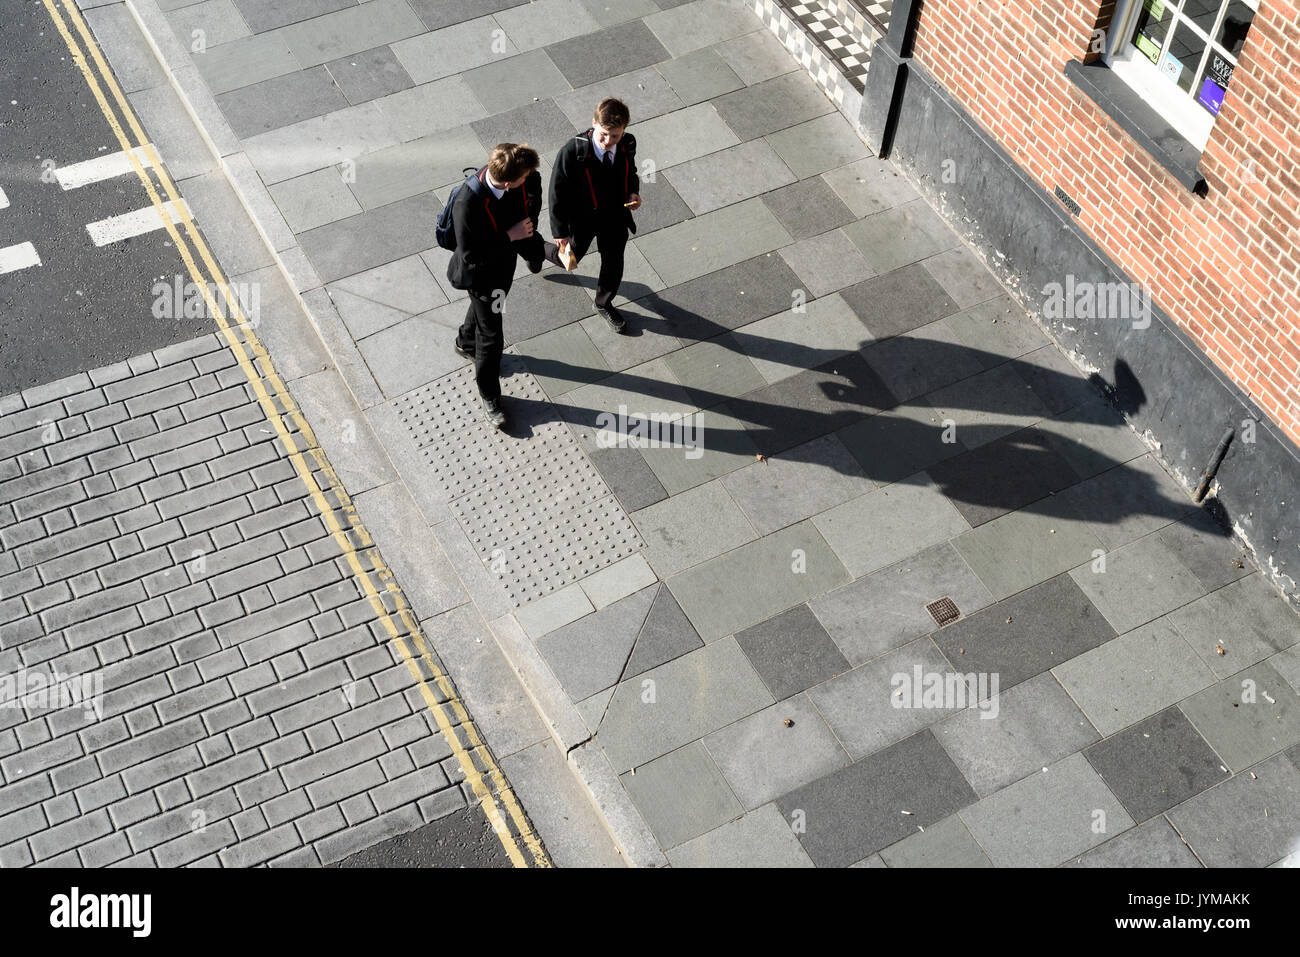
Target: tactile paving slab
(532, 504)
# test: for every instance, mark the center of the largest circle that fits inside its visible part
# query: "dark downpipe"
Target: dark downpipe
(1213, 468)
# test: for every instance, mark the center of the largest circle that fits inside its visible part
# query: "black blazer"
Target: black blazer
(575, 206)
(484, 259)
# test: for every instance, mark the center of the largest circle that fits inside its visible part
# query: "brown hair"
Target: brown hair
(509, 161)
(611, 114)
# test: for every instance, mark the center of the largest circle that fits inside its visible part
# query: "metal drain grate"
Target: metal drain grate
(943, 611)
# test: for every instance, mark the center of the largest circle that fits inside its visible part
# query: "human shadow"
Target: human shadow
(994, 432)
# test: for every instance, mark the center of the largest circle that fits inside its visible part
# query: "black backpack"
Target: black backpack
(445, 231)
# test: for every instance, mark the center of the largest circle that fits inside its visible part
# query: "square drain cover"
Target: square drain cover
(943, 611)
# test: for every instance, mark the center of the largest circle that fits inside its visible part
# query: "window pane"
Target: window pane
(1184, 57)
(1203, 13)
(1152, 24)
(1232, 34)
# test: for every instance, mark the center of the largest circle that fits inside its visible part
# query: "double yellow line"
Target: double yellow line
(512, 827)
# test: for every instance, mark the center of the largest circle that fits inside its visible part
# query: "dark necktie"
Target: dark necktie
(609, 160)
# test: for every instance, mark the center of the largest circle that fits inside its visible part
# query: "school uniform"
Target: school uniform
(589, 186)
(484, 266)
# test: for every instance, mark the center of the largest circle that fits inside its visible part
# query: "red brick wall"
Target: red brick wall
(1227, 266)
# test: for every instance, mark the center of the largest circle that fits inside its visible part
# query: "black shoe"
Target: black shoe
(495, 415)
(536, 267)
(461, 350)
(612, 317)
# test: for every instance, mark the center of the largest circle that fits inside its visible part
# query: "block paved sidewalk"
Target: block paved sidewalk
(725, 644)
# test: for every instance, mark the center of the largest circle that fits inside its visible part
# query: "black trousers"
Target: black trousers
(611, 240)
(482, 331)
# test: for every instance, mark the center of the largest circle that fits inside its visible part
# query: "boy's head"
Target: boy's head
(510, 163)
(609, 122)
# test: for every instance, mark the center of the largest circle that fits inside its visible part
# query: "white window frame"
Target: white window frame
(1192, 121)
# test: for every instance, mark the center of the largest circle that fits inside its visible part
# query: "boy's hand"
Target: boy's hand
(520, 230)
(634, 201)
(562, 243)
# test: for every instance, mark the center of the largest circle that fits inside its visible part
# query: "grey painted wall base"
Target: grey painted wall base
(1163, 383)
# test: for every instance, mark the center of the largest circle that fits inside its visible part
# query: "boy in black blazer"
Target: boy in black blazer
(594, 188)
(495, 221)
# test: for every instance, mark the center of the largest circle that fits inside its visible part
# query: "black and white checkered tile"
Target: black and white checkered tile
(845, 31)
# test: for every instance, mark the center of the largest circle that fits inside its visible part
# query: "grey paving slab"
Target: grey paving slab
(890, 446)
(808, 208)
(946, 844)
(666, 634)
(1048, 817)
(775, 104)
(389, 352)
(372, 238)
(791, 652)
(728, 298)
(553, 611)
(902, 235)
(320, 142)
(415, 168)
(536, 305)
(997, 329)
(160, 111)
(1005, 638)
(369, 75)
(563, 359)
(1134, 676)
(681, 795)
(544, 22)
(1138, 583)
(607, 12)
(1126, 502)
(1054, 379)
(720, 238)
(1035, 724)
(1245, 821)
(756, 581)
(281, 101)
(786, 489)
(1206, 550)
(314, 199)
(878, 529)
(128, 52)
(897, 301)
(1155, 764)
(827, 262)
(210, 23)
(350, 30)
(639, 280)
(1153, 844)
(1246, 619)
(880, 703)
(728, 176)
(589, 655)
(988, 405)
(1248, 717)
(263, 15)
(661, 207)
(714, 443)
(700, 75)
(437, 14)
(963, 277)
(628, 477)
(645, 91)
(593, 709)
(1023, 548)
(230, 234)
(1091, 437)
(246, 61)
(515, 81)
(886, 609)
(619, 580)
(384, 296)
(591, 57)
(762, 757)
(759, 839)
(689, 26)
(870, 186)
(803, 337)
(454, 48)
(685, 699)
(714, 370)
(854, 812)
(921, 360)
(755, 56)
(353, 450)
(674, 138)
(638, 393)
(818, 145)
(541, 125)
(647, 336)
(691, 528)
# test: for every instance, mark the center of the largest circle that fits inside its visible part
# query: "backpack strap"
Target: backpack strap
(474, 182)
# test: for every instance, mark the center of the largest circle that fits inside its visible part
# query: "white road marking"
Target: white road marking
(101, 167)
(4, 200)
(13, 258)
(137, 223)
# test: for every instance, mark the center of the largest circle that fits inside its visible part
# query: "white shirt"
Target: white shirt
(497, 191)
(600, 153)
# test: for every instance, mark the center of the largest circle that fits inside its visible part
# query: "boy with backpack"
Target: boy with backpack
(488, 221)
(594, 188)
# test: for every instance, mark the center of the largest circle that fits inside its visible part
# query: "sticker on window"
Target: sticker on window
(1172, 67)
(1210, 96)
